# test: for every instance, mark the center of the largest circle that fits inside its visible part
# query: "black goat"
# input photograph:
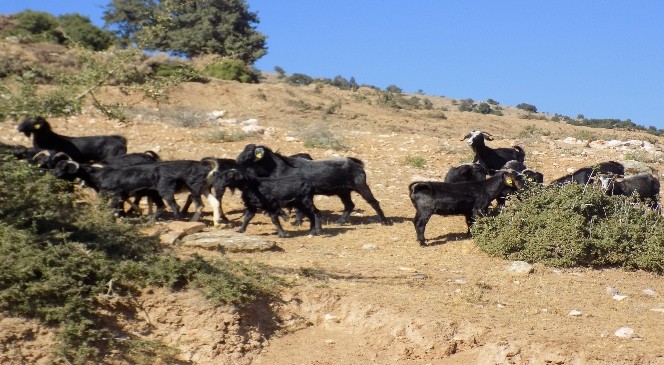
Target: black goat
(80, 149)
(470, 198)
(223, 164)
(273, 194)
(466, 172)
(131, 159)
(492, 158)
(514, 165)
(120, 183)
(161, 179)
(533, 176)
(339, 176)
(586, 175)
(303, 155)
(20, 152)
(645, 185)
(47, 159)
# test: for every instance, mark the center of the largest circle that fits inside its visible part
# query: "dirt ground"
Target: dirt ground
(367, 293)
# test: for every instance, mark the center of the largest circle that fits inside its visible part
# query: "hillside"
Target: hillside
(363, 292)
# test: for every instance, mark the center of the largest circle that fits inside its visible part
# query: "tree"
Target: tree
(80, 29)
(188, 28)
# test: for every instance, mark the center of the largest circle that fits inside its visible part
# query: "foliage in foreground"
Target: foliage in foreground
(575, 225)
(62, 259)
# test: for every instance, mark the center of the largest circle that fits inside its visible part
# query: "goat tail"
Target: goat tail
(418, 186)
(521, 154)
(212, 162)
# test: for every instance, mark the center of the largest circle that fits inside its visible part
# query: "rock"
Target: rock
(407, 269)
(228, 241)
(657, 309)
(649, 292)
(216, 114)
(176, 230)
(633, 167)
(614, 293)
(520, 267)
(251, 121)
(574, 313)
(626, 332)
(253, 129)
(369, 246)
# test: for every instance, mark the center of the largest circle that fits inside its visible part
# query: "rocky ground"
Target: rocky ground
(367, 293)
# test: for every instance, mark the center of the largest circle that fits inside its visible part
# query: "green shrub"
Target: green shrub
(60, 258)
(231, 70)
(415, 161)
(575, 225)
(527, 107)
(299, 79)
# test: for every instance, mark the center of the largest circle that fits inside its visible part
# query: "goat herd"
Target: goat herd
(272, 182)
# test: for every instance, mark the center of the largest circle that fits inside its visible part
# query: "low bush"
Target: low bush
(61, 259)
(575, 225)
(231, 70)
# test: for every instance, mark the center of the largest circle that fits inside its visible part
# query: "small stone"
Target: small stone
(650, 292)
(329, 317)
(658, 309)
(611, 291)
(407, 269)
(520, 267)
(369, 246)
(330, 342)
(619, 297)
(626, 332)
(574, 313)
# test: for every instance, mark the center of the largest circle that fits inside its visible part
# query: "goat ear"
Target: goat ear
(259, 152)
(487, 136)
(508, 180)
(465, 137)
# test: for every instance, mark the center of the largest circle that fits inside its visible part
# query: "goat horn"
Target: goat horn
(41, 153)
(62, 154)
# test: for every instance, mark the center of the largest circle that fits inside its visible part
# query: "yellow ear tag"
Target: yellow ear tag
(258, 154)
(509, 181)
(37, 126)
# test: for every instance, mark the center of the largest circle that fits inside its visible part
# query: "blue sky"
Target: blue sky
(602, 59)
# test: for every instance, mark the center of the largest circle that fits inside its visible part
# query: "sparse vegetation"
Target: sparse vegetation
(532, 131)
(415, 161)
(320, 137)
(220, 136)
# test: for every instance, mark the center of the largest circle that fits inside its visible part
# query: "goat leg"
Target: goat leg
(248, 214)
